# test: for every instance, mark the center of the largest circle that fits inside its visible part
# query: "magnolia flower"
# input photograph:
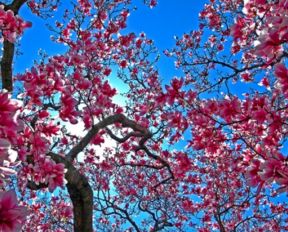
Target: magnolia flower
(12, 216)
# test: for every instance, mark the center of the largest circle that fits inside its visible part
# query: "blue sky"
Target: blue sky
(161, 24)
(170, 18)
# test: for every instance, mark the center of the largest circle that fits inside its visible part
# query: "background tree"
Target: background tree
(232, 168)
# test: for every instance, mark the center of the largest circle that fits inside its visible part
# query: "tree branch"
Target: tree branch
(15, 5)
(117, 118)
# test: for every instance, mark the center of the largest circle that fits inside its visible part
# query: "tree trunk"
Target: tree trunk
(81, 195)
(6, 65)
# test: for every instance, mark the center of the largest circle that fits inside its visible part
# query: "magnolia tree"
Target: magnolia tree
(206, 152)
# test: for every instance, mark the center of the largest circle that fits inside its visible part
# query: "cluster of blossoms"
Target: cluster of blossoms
(232, 142)
(239, 133)
(12, 216)
(45, 171)
(11, 25)
(8, 133)
(58, 211)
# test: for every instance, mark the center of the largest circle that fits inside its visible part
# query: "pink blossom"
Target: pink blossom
(260, 115)
(281, 72)
(12, 216)
(236, 29)
(269, 46)
(56, 177)
(275, 169)
(98, 140)
(253, 173)
(11, 26)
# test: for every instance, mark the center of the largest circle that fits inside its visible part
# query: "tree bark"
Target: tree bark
(6, 65)
(81, 195)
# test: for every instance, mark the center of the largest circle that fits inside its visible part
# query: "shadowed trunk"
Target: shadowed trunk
(81, 195)
(82, 207)
(6, 65)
